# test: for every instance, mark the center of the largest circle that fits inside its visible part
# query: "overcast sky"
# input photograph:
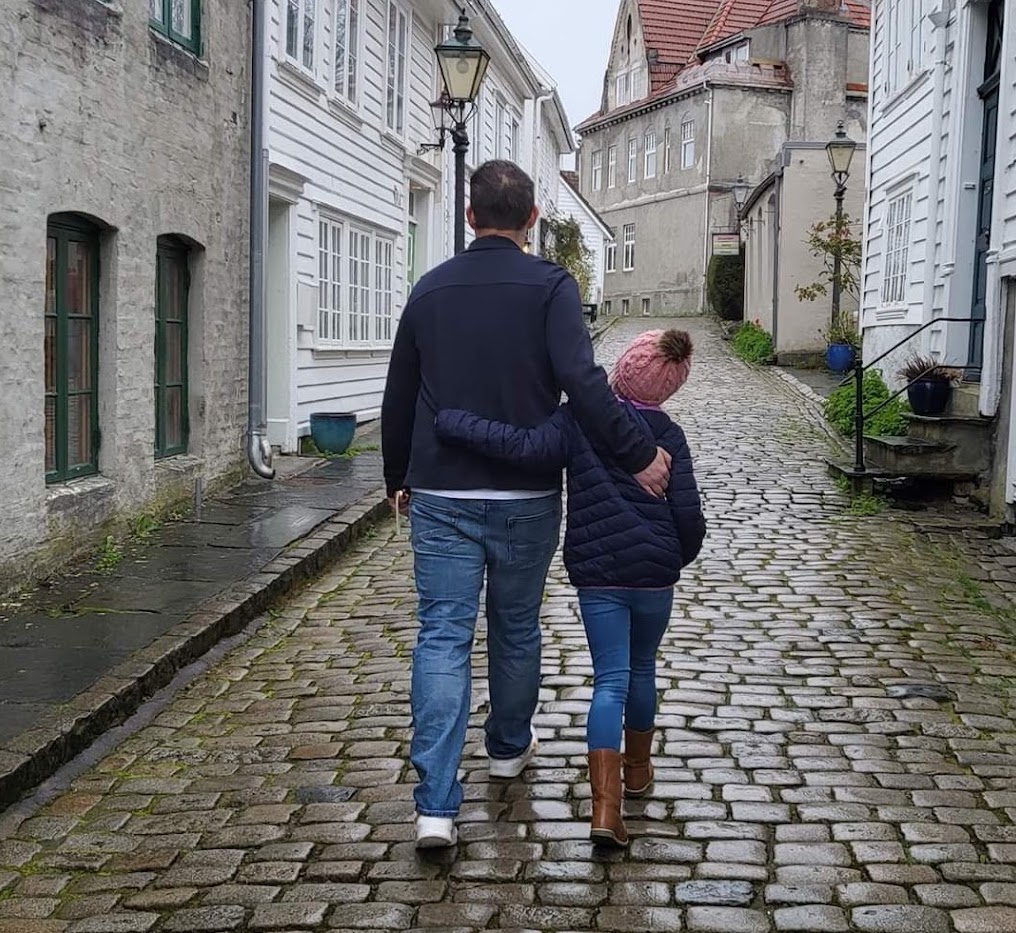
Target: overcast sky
(570, 39)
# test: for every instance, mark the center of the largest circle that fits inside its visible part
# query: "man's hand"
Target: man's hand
(655, 478)
(400, 502)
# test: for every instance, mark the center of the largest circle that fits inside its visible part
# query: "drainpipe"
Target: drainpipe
(259, 451)
(543, 95)
(709, 176)
(940, 20)
(777, 224)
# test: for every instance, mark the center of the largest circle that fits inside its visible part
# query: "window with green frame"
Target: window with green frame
(71, 348)
(172, 286)
(180, 20)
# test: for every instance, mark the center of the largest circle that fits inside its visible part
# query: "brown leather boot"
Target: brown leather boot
(638, 767)
(605, 777)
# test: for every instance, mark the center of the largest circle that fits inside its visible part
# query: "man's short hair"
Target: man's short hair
(502, 196)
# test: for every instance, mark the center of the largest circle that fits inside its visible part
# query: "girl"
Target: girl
(624, 551)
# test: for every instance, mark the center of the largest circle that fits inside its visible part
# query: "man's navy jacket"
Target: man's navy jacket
(499, 333)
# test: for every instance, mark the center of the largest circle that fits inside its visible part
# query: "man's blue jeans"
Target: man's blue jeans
(455, 541)
(624, 629)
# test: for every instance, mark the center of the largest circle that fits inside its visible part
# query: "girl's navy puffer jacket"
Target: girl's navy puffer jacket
(618, 535)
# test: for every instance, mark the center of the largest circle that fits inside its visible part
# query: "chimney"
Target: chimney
(833, 7)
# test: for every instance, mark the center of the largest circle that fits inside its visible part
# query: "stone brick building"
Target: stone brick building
(123, 263)
(695, 95)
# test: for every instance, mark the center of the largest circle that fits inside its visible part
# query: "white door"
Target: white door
(280, 327)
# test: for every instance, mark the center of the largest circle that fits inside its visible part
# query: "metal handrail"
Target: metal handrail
(860, 415)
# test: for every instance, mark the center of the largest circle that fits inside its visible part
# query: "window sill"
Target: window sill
(299, 80)
(904, 93)
(891, 314)
(346, 112)
(325, 352)
(178, 463)
(112, 8)
(172, 51)
(394, 143)
(66, 496)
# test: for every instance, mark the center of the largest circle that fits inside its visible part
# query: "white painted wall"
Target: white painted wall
(338, 161)
(593, 232)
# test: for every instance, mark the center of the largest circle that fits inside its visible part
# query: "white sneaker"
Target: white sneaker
(435, 832)
(508, 768)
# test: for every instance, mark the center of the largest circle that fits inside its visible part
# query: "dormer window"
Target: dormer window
(737, 54)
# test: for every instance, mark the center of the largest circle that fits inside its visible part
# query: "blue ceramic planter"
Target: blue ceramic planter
(332, 432)
(840, 357)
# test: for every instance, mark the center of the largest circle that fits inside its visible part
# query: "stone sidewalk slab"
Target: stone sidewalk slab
(84, 651)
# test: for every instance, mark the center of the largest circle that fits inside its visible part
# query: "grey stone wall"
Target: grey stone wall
(105, 118)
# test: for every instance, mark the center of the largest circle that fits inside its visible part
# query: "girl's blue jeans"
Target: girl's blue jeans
(624, 629)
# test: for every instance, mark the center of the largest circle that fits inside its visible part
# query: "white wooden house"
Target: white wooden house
(595, 233)
(358, 210)
(940, 237)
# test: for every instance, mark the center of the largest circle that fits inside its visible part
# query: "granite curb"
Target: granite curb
(28, 759)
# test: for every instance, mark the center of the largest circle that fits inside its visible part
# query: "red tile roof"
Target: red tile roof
(673, 30)
(736, 16)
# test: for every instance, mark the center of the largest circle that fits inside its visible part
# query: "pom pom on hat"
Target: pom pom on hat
(655, 365)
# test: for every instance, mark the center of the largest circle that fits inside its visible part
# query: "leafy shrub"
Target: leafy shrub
(752, 344)
(890, 421)
(725, 286)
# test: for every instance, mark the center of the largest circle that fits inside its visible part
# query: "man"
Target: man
(500, 333)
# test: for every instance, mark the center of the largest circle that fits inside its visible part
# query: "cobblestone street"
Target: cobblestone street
(837, 748)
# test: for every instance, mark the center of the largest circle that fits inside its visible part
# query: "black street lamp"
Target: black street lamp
(840, 150)
(463, 63)
(740, 192)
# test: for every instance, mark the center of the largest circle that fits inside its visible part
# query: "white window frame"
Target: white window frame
(596, 174)
(666, 150)
(396, 101)
(358, 303)
(475, 155)
(628, 237)
(622, 89)
(346, 61)
(897, 232)
(649, 167)
(513, 135)
(625, 307)
(611, 167)
(298, 56)
(610, 253)
(331, 276)
(500, 121)
(688, 144)
(902, 44)
(647, 306)
(633, 160)
(606, 307)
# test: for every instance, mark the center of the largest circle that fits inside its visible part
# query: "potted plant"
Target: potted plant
(842, 344)
(929, 384)
(332, 432)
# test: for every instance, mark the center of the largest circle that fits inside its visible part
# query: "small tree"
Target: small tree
(826, 240)
(567, 247)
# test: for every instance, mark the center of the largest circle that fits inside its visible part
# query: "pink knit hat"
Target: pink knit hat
(654, 367)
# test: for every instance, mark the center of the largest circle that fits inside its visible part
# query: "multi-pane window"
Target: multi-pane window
(347, 49)
(359, 286)
(904, 54)
(897, 250)
(621, 89)
(330, 240)
(646, 306)
(398, 63)
(301, 32)
(384, 293)
(71, 348)
(610, 256)
(180, 20)
(687, 144)
(499, 122)
(513, 130)
(650, 155)
(666, 149)
(606, 308)
(597, 163)
(612, 167)
(628, 236)
(625, 306)
(356, 285)
(172, 288)
(633, 160)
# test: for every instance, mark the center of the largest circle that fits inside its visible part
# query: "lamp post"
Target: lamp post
(463, 63)
(840, 150)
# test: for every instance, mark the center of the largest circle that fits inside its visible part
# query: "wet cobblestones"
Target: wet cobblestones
(796, 791)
